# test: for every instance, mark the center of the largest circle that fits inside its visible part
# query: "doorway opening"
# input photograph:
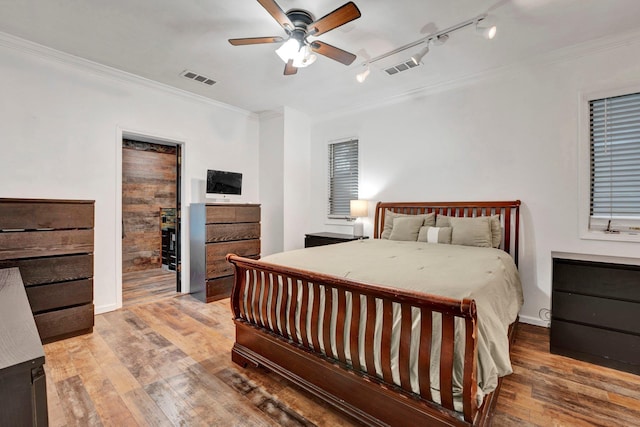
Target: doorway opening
(150, 220)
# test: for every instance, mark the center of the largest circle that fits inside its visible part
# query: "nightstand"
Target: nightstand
(321, 239)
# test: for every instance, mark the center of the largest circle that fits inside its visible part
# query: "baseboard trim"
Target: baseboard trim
(534, 321)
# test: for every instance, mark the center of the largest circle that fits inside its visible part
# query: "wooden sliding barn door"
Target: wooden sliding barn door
(149, 175)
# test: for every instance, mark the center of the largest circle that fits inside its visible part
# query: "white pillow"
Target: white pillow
(435, 235)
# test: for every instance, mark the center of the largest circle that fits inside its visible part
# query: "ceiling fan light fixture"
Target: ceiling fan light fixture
(304, 57)
(486, 28)
(361, 77)
(288, 50)
(417, 58)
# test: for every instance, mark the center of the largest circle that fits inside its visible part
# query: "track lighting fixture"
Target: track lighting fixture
(440, 40)
(483, 25)
(417, 58)
(361, 77)
(486, 29)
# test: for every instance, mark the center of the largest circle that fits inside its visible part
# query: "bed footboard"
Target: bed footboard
(310, 328)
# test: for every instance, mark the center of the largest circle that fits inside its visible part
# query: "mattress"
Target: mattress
(488, 276)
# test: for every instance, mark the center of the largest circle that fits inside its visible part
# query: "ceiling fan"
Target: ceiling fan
(297, 50)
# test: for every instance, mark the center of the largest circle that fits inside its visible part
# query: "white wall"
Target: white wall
(285, 138)
(62, 120)
(512, 135)
(297, 163)
(272, 181)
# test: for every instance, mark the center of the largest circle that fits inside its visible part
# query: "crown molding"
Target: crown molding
(558, 56)
(104, 71)
(271, 114)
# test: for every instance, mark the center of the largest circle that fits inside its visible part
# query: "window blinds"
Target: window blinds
(343, 177)
(615, 157)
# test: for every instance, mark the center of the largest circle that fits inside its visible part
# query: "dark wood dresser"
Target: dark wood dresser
(325, 238)
(23, 388)
(215, 231)
(51, 242)
(596, 313)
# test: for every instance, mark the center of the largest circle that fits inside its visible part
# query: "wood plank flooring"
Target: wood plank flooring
(167, 362)
(144, 286)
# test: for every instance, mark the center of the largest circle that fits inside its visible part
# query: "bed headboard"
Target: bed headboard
(509, 212)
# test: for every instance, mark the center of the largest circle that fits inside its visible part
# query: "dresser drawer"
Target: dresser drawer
(217, 265)
(52, 269)
(597, 279)
(231, 214)
(219, 288)
(54, 325)
(59, 295)
(34, 214)
(29, 244)
(609, 348)
(601, 312)
(228, 232)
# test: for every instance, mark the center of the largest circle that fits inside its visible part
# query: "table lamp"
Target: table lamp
(358, 209)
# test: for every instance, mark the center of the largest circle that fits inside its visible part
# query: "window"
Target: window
(343, 177)
(614, 128)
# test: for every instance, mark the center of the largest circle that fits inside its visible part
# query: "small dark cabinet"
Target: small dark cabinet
(23, 390)
(596, 313)
(321, 239)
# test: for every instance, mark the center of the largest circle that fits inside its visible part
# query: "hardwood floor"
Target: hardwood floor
(551, 390)
(144, 286)
(167, 362)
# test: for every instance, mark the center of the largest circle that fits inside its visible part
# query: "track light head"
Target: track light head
(486, 29)
(361, 77)
(417, 58)
(440, 40)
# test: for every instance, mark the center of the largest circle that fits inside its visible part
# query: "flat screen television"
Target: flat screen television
(223, 182)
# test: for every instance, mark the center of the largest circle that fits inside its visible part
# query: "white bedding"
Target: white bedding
(489, 276)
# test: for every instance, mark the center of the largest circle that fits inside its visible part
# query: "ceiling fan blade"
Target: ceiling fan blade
(289, 69)
(278, 14)
(255, 40)
(333, 52)
(345, 13)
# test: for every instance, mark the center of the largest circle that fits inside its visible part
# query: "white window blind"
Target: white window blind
(343, 177)
(615, 159)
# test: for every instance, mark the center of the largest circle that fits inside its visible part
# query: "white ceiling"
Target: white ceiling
(158, 39)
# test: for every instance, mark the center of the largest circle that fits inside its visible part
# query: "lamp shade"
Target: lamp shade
(288, 50)
(359, 208)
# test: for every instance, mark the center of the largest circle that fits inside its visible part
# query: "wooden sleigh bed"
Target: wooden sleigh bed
(373, 398)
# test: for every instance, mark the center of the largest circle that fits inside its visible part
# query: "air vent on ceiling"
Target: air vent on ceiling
(403, 66)
(197, 77)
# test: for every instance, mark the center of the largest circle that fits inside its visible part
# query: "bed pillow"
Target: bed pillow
(471, 231)
(496, 227)
(429, 219)
(443, 221)
(435, 235)
(406, 228)
(496, 231)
